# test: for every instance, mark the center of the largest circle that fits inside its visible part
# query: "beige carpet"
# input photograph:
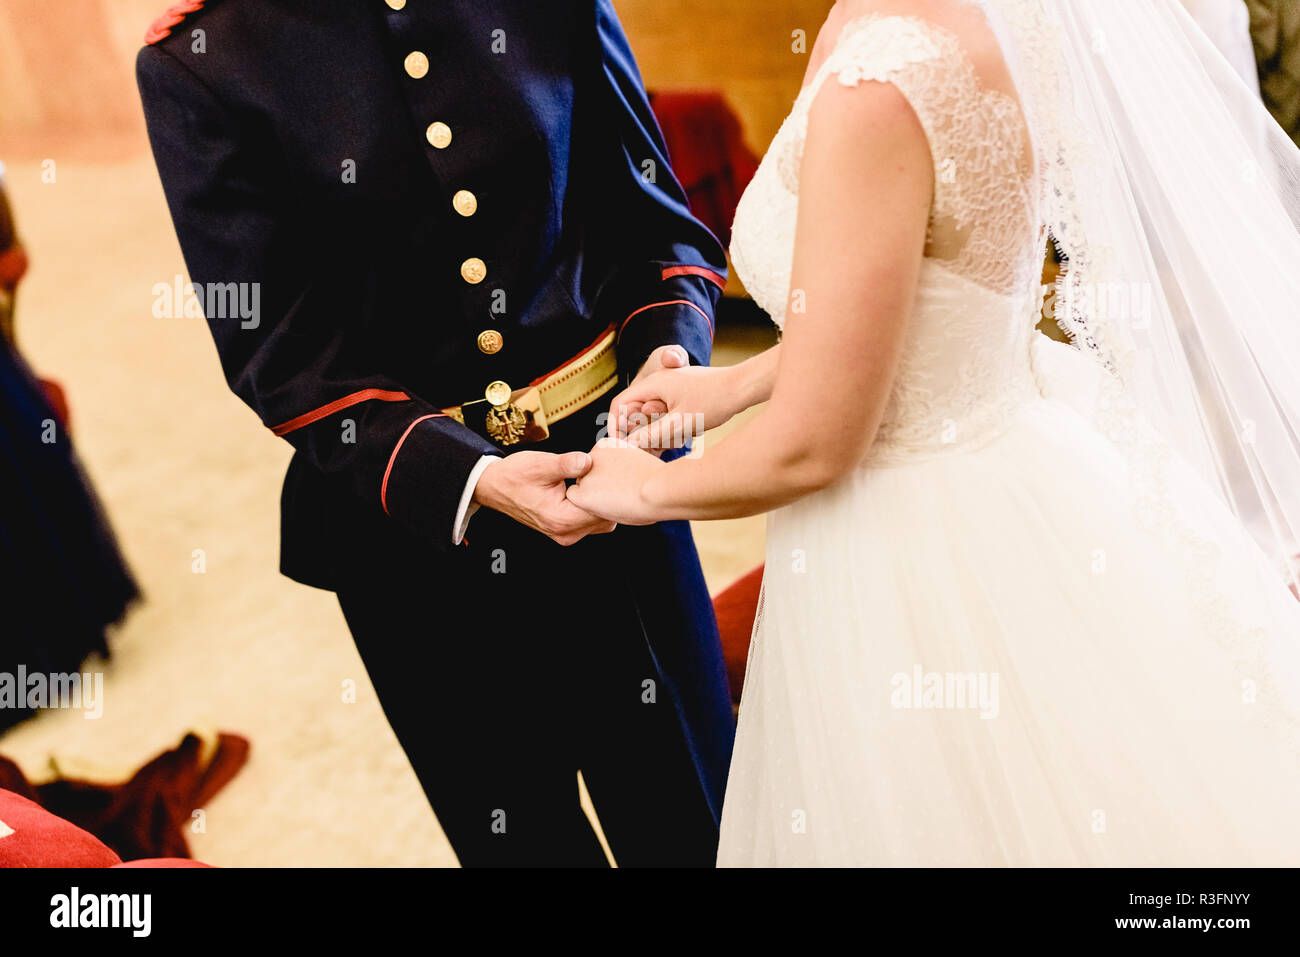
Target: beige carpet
(184, 468)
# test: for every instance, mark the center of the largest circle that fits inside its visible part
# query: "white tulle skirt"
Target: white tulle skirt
(1004, 656)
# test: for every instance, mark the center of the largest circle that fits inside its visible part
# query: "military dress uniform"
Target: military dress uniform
(464, 233)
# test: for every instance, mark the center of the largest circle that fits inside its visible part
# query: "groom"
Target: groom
(457, 227)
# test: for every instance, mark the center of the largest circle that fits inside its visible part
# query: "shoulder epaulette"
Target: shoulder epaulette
(174, 17)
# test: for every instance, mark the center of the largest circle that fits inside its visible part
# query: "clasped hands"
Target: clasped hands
(647, 419)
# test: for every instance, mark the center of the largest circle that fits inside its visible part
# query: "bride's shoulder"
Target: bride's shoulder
(962, 21)
(958, 28)
(827, 38)
(842, 108)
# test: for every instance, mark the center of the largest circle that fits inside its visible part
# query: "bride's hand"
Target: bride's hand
(666, 409)
(612, 489)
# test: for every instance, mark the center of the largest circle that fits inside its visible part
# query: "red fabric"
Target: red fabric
(161, 28)
(163, 862)
(709, 155)
(40, 839)
(13, 266)
(736, 607)
(58, 401)
(144, 817)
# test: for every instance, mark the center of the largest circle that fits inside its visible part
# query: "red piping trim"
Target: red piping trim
(383, 489)
(316, 415)
(708, 274)
(673, 302)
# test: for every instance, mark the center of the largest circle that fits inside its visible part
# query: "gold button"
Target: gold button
(396, 4)
(498, 393)
(439, 134)
(417, 64)
(465, 203)
(490, 342)
(473, 271)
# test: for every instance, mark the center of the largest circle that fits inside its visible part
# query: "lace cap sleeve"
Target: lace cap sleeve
(886, 49)
(975, 136)
(926, 64)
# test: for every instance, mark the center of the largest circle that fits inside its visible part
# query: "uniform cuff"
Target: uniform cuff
(425, 478)
(467, 504)
(676, 322)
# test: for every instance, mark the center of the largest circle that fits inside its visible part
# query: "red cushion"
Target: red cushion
(31, 836)
(736, 607)
(163, 862)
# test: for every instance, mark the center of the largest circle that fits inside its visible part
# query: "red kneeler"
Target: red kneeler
(736, 607)
(31, 836)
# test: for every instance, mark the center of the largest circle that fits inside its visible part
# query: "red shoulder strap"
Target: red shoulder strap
(175, 15)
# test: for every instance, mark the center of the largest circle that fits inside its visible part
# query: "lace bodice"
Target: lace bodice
(966, 359)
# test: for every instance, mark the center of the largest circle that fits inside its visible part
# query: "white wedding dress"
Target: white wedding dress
(1021, 633)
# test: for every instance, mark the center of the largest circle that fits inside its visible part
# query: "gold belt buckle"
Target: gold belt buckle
(520, 418)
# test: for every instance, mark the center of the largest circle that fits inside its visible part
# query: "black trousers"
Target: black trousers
(506, 668)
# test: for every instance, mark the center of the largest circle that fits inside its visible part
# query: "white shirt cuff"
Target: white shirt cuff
(467, 504)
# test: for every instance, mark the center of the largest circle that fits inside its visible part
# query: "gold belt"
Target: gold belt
(512, 416)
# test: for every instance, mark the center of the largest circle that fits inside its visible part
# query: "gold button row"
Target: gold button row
(472, 270)
(490, 342)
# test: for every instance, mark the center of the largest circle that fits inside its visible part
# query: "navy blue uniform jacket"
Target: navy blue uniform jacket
(292, 147)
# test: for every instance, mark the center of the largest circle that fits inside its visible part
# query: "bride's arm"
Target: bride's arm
(754, 379)
(668, 408)
(866, 186)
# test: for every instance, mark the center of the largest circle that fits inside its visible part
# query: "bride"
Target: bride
(1025, 603)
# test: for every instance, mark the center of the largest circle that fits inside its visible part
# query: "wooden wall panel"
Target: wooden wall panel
(742, 47)
(67, 82)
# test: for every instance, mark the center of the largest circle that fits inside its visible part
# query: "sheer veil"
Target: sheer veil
(1175, 198)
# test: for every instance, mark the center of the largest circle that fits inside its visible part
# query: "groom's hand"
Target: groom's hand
(530, 488)
(665, 357)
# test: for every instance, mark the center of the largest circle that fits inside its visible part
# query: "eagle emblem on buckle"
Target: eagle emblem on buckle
(514, 416)
(506, 424)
